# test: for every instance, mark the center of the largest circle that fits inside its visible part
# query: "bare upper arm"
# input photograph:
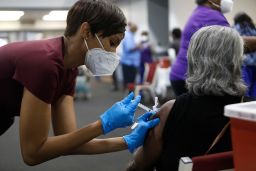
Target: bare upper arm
(163, 115)
(146, 155)
(35, 117)
(250, 44)
(63, 116)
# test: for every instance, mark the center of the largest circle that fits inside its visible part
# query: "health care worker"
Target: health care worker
(207, 13)
(37, 80)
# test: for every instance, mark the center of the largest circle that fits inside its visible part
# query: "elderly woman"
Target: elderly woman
(190, 123)
(207, 13)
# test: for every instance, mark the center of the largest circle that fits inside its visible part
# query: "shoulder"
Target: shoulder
(38, 65)
(204, 16)
(163, 115)
(40, 54)
(165, 109)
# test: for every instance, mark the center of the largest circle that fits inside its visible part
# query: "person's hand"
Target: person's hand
(121, 114)
(137, 136)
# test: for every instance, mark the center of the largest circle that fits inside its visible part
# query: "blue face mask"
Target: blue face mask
(99, 61)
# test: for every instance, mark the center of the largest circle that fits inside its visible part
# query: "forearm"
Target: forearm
(135, 48)
(249, 44)
(64, 144)
(99, 146)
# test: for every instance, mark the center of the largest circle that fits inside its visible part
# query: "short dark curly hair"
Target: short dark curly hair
(244, 19)
(200, 2)
(102, 16)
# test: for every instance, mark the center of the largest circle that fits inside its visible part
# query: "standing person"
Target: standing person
(245, 26)
(175, 39)
(190, 123)
(130, 58)
(145, 53)
(37, 80)
(114, 81)
(208, 12)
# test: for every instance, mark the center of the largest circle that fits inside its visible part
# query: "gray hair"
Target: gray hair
(214, 62)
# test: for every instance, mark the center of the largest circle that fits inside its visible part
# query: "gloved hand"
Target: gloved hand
(136, 138)
(121, 114)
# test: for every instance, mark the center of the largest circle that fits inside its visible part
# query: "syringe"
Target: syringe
(147, 109)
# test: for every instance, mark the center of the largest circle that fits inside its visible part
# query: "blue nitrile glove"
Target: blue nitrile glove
(121, 114)
(137, 136)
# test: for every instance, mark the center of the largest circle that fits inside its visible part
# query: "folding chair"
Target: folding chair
(163, 77)
(212, 162)
(149, 80)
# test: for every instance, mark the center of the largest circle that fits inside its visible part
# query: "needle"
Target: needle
(144, 107)
(147, 109)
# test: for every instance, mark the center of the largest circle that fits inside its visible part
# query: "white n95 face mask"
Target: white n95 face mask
(225, 5)
(99, 61)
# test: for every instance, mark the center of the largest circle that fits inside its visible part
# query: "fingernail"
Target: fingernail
(153, 112)
(138, 96)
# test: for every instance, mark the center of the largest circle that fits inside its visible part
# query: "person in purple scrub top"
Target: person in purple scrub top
(207, 13)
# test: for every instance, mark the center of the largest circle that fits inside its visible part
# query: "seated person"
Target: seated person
(189, 124)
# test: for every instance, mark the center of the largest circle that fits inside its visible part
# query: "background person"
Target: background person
(190, 123)
(245, 26)
(145, 53)
(208, 12)
(37, 80)
(130, 58)
(175, 37)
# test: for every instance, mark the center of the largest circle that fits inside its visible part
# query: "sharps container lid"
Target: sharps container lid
(244, 111)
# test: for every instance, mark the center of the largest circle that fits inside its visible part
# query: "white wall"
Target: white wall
(180, 10)
(136, 11)
(36, 3)
(38, 25)
(248, 6)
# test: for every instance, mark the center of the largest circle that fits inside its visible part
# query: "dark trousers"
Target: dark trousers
(142, 70)
(115, 83)
(5, 124)
(129, 74)
(179, 87)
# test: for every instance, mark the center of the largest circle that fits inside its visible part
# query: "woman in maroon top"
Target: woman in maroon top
(37, 81)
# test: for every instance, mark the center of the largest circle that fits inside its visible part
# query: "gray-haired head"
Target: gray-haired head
(214, 62)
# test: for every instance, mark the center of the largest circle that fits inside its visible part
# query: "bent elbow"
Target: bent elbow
(31, 158)
(31, 154)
